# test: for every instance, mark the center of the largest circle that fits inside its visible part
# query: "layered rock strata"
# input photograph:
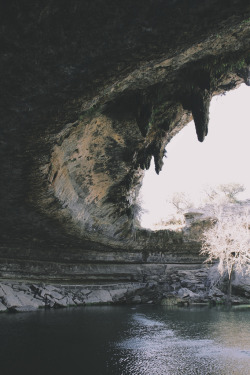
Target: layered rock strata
(177, 287)
(90, 92)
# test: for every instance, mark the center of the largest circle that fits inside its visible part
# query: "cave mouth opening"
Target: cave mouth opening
(192, 169)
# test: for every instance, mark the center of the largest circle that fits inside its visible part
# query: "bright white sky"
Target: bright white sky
(190, 165)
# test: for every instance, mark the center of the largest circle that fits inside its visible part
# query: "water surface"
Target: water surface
(143, 340)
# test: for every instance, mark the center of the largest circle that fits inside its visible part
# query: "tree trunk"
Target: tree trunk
(229, 293)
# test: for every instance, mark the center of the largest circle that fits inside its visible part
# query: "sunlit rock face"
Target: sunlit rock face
(92, 173)
(89, 94)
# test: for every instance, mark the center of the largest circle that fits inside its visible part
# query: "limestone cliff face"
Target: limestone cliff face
(90, 92)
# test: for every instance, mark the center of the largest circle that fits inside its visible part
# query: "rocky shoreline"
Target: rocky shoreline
(178, 288)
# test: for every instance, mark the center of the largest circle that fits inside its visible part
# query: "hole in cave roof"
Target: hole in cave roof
(222, 158)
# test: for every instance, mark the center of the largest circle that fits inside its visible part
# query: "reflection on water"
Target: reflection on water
(147, 340)
(183, 342)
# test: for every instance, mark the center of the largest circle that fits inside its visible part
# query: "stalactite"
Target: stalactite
(200, 110)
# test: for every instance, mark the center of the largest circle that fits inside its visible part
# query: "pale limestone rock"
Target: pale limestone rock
(50, 292)
(5, 290)
(55, 295)
(242, 281)
(85, 291)
(78, 302)
(43, 292)
(2, 307)
(20, 299)
(184, 293)
(70, 301)
(62, 302)
(28, 300)
(98, 296)
(24, 288)
(10, 300)
(50, 288)
(117, 294)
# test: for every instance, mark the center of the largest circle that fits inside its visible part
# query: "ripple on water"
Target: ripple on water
(155, 349)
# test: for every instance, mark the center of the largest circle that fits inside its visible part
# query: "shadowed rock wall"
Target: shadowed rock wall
(90, 92)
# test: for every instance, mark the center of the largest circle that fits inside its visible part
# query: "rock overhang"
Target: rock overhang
(91, 93)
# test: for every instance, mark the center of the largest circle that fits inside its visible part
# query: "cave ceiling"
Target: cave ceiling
(90, 92)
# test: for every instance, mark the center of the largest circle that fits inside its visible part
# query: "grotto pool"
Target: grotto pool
(125, 340)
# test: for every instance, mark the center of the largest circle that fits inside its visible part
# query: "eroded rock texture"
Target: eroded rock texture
(90, 92)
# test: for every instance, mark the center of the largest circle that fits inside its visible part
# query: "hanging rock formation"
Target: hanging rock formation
(90, 92)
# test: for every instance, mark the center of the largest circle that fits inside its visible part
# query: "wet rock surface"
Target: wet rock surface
(13, 297)
(178, 288)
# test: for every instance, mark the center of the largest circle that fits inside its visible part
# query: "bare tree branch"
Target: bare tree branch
(228, 241)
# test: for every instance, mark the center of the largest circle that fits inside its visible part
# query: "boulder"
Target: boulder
(78, 302)
(215, 292)
(42, 292)
(118, 294)
(98, 296)
(2, 307)
(51, 288)
(10, 300)
(55, 295)
(28, 300)
(5, 289)
(186, 293)
(21, 299)
(70, 301)
(85, 291)
(61, 302)
(24, 288)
